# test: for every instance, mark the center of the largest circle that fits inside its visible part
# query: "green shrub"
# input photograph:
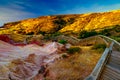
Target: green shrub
(117, 28)
(56, 34)
(105, 32)
(117, 38)
(62, 41)
(73, 50)
(64, 56)
(85, 34)
(51, 36)
(99, 47)
(41, 32)
(47, 36)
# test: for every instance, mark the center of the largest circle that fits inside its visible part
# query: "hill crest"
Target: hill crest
(64, 23)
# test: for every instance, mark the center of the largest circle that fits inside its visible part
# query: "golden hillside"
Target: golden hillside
(63, 23)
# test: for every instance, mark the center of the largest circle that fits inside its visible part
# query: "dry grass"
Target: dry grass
(77, 66)
(22, 38)
(18, 37)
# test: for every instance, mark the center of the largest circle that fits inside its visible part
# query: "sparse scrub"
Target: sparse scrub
(117, 38)
(62, 41)
(41, 32)
(75, 67)
(99, 47)
(74, 50)
(85, 34)
(105, 32)
(64, 55)
(56, 34)
(51, 36)
(117, 28)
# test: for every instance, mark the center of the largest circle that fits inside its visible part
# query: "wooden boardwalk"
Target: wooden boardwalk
(108, 67)
(111, 70)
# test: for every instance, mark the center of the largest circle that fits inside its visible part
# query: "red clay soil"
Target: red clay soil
(26, 63)
(6, 38)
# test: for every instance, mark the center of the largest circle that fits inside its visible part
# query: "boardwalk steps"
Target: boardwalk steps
(108, 67)
(115, 59)
(110, 73)
(112, 68)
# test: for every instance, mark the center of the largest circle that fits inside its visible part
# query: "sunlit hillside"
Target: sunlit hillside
(63, 23)
(61, 47)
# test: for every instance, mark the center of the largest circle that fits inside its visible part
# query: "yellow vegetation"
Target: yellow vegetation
(64, 23)
(77, 66)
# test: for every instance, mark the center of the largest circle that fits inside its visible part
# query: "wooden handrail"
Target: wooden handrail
(102, 61)
(112, 40)
(116, 44)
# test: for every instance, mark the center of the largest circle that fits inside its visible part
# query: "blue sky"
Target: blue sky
(13, 10)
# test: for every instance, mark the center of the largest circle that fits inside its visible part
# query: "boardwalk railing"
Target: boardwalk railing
(97, 70)
(116, 44)
(102, 61)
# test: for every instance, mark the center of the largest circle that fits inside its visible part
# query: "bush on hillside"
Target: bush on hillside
(52, 36)
(73, 50)
(117, 38)
(85, 34)
(47, 36)
(117, 28)
(56, 34)
(41, 32)
(99, 47)
(105, 32)
(62, 41)
(64, 55)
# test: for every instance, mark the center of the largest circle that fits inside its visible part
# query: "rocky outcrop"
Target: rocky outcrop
(26, 62)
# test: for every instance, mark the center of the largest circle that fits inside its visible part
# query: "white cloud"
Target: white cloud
(15, 6)
(19, 2)
(16, 11)
(13, 12)
(23, 3)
